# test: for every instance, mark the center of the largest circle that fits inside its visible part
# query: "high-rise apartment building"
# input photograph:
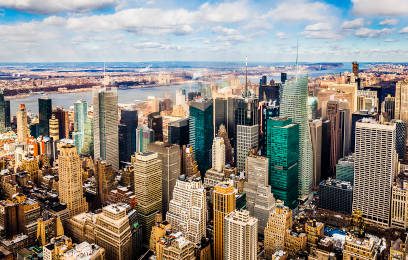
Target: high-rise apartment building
(169, 155)
(113, 232)
(374, 170)
(316, 136)
(70, 180)
(148, 189)
(54, 128)
(275, 232)
(105, 125)
(282, 144)
(241, 236)
(188, 209)
(294, 106)
(22, 124)
(127, 134)
(247, 139)
(44, 115)
(401, 100)
(223, 203)
(201, 132)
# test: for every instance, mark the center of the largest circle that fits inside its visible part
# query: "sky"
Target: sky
(196, 30)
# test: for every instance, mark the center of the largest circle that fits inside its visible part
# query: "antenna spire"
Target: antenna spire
(246, 75)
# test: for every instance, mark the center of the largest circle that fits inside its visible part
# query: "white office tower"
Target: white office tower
(294, 105)
(260, 201)
(247, 139)
(105, 116)
(188, 209)
(218, 154)
(374, 169)
(240, 236)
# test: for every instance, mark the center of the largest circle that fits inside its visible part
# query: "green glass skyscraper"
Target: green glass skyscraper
(294, 105)
(80, 118)
(44, 115)
(201, 132)
(282, 150)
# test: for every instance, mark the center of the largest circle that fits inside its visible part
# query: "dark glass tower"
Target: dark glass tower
(44, 115)
(7, 113)
(400, 138)
(155, 122)
(178, 132)
(127, 134)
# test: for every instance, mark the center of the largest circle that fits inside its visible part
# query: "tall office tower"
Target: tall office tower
(220, 112)
(222, 132)
(218, 154)
(388, 108)
(401, 100)
(88, 143)
(190, 166)
(357, 116)
(144, 136)
(44, 114)
(3, 119)
(105, 125)
(155, 122)
(316, 136)
(283, 153)
(201, 132)
(344, 132)
(284, 77)
(70, 180)
(275, 232)
(22, 125)
(169, 155)
(399, 203)
(80, 118)
(345, 169)
(336, 195)
(259, 199)
(367, 100)
(247, 139)
(325, 159)
(311, 108)
(355, 68)
(333, 114)
(54, 128)
(401, 137)
(269, 92)
(294, 106)
(105, 177)
(374, 170)
(223, 204)
(188, 209)
(148, 189)
(267, 111)
(63, 120)
(178, 132)
(113, 232)
(128, 126)
(241, 236)
(7, 113)
(245, 114)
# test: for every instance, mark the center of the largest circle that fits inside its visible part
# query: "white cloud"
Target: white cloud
(404, 30)
(228, 12)
(320, 31)
(281, 35)
(380, 7)
(353, 24)
(57, 6)
(318, 27)
(372, 33)
(300, 10)
(389, 22)
(389, 40)
(155, 45)
(225, 30)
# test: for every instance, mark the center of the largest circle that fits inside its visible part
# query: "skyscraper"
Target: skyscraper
(218, 154)
(148, 189)
(106, 143)
(401, 100)
(188, 209)
(201, 132)
(241, 236)
(22, 125)
(169, 155)
(222, 132)
(127, 134)
(223, 203)
(374, 170)
(70, 180)
(54, 128)
(3, 114)
(155, 122)
(401, 137)
(178, 132)
(247, 139)
(355, 68)
(44, 115)
(344, 132)
(144, 136)
(388, 108)
(105, 177)
(333, 114)
(63, 120)
(294, 106)
(283, 154)
(80, 118)
(316, 135)
(357, 116)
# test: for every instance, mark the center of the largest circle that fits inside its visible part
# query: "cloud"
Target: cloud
(389, 40)
(404, 30)
(57, 6)
(155, 45)
(300, 10)
(372, 33)
(228, 12)
(281, 35)
(318, 27)
(224, 30)
(319, 31)
(380, 7)
(389, 22)
(353, 24)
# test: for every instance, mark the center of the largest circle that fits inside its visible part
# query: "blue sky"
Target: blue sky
(151, 30)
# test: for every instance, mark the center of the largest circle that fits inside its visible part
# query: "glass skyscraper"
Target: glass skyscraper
(127, 134)
(294, 105)
(282, 149)
(201, 132)
(80, 117)
(44, 115)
